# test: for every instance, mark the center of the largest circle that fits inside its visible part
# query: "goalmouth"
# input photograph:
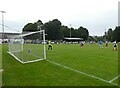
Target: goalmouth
(29, 47)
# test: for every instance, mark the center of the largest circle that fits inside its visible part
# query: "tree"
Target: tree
(109, 37)
(55, 31)
(65, 31)
(39, 25)
(90, 38)
(73, 32)
(39, 21)
(52, 29)
(83, 33)
(116, 34)
(30, 27)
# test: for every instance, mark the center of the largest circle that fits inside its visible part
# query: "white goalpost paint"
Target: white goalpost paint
(26, 61)
(1, 70)
(44, 44)
(80, 72)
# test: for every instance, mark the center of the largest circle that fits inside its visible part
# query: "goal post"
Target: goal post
(28, 47)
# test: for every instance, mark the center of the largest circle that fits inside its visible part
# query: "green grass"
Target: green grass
(29, 52)
(0, 65)
(0, 56)
(0, 79)
(91, 59)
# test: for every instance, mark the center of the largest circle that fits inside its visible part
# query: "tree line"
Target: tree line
(113, 35)
(54, 30)
(110, 36)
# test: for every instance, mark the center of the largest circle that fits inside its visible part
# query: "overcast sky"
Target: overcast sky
(95, 15)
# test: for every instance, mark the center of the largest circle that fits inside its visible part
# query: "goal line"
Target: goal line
(25, 61)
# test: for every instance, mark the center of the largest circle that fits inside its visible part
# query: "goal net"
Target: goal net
(28, 47)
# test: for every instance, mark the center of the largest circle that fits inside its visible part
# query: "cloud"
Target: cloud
(96, 15)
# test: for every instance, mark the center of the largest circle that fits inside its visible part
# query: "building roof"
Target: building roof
(73, 39)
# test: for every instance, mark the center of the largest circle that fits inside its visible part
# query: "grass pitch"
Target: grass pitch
(98, 63)
(0, 56)
(0, 65)
(27, 52)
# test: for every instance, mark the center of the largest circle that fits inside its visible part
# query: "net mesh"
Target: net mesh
(28, 47)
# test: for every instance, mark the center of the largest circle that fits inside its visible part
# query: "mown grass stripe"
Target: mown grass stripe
(80, 72)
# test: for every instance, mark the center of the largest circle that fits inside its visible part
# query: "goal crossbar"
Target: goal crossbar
(29, 33)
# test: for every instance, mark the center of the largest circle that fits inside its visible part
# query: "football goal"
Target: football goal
(28, 47)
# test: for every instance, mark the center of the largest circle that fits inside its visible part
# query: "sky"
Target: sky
(95, 15)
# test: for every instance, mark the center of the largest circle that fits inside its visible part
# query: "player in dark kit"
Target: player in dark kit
(115, 46)
(106, 43)
(49, 45)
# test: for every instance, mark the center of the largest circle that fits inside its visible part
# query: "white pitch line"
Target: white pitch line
(80, 72)
(114, 79)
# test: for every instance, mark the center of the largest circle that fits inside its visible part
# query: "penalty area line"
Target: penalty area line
(80, 72)
(114, 78)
